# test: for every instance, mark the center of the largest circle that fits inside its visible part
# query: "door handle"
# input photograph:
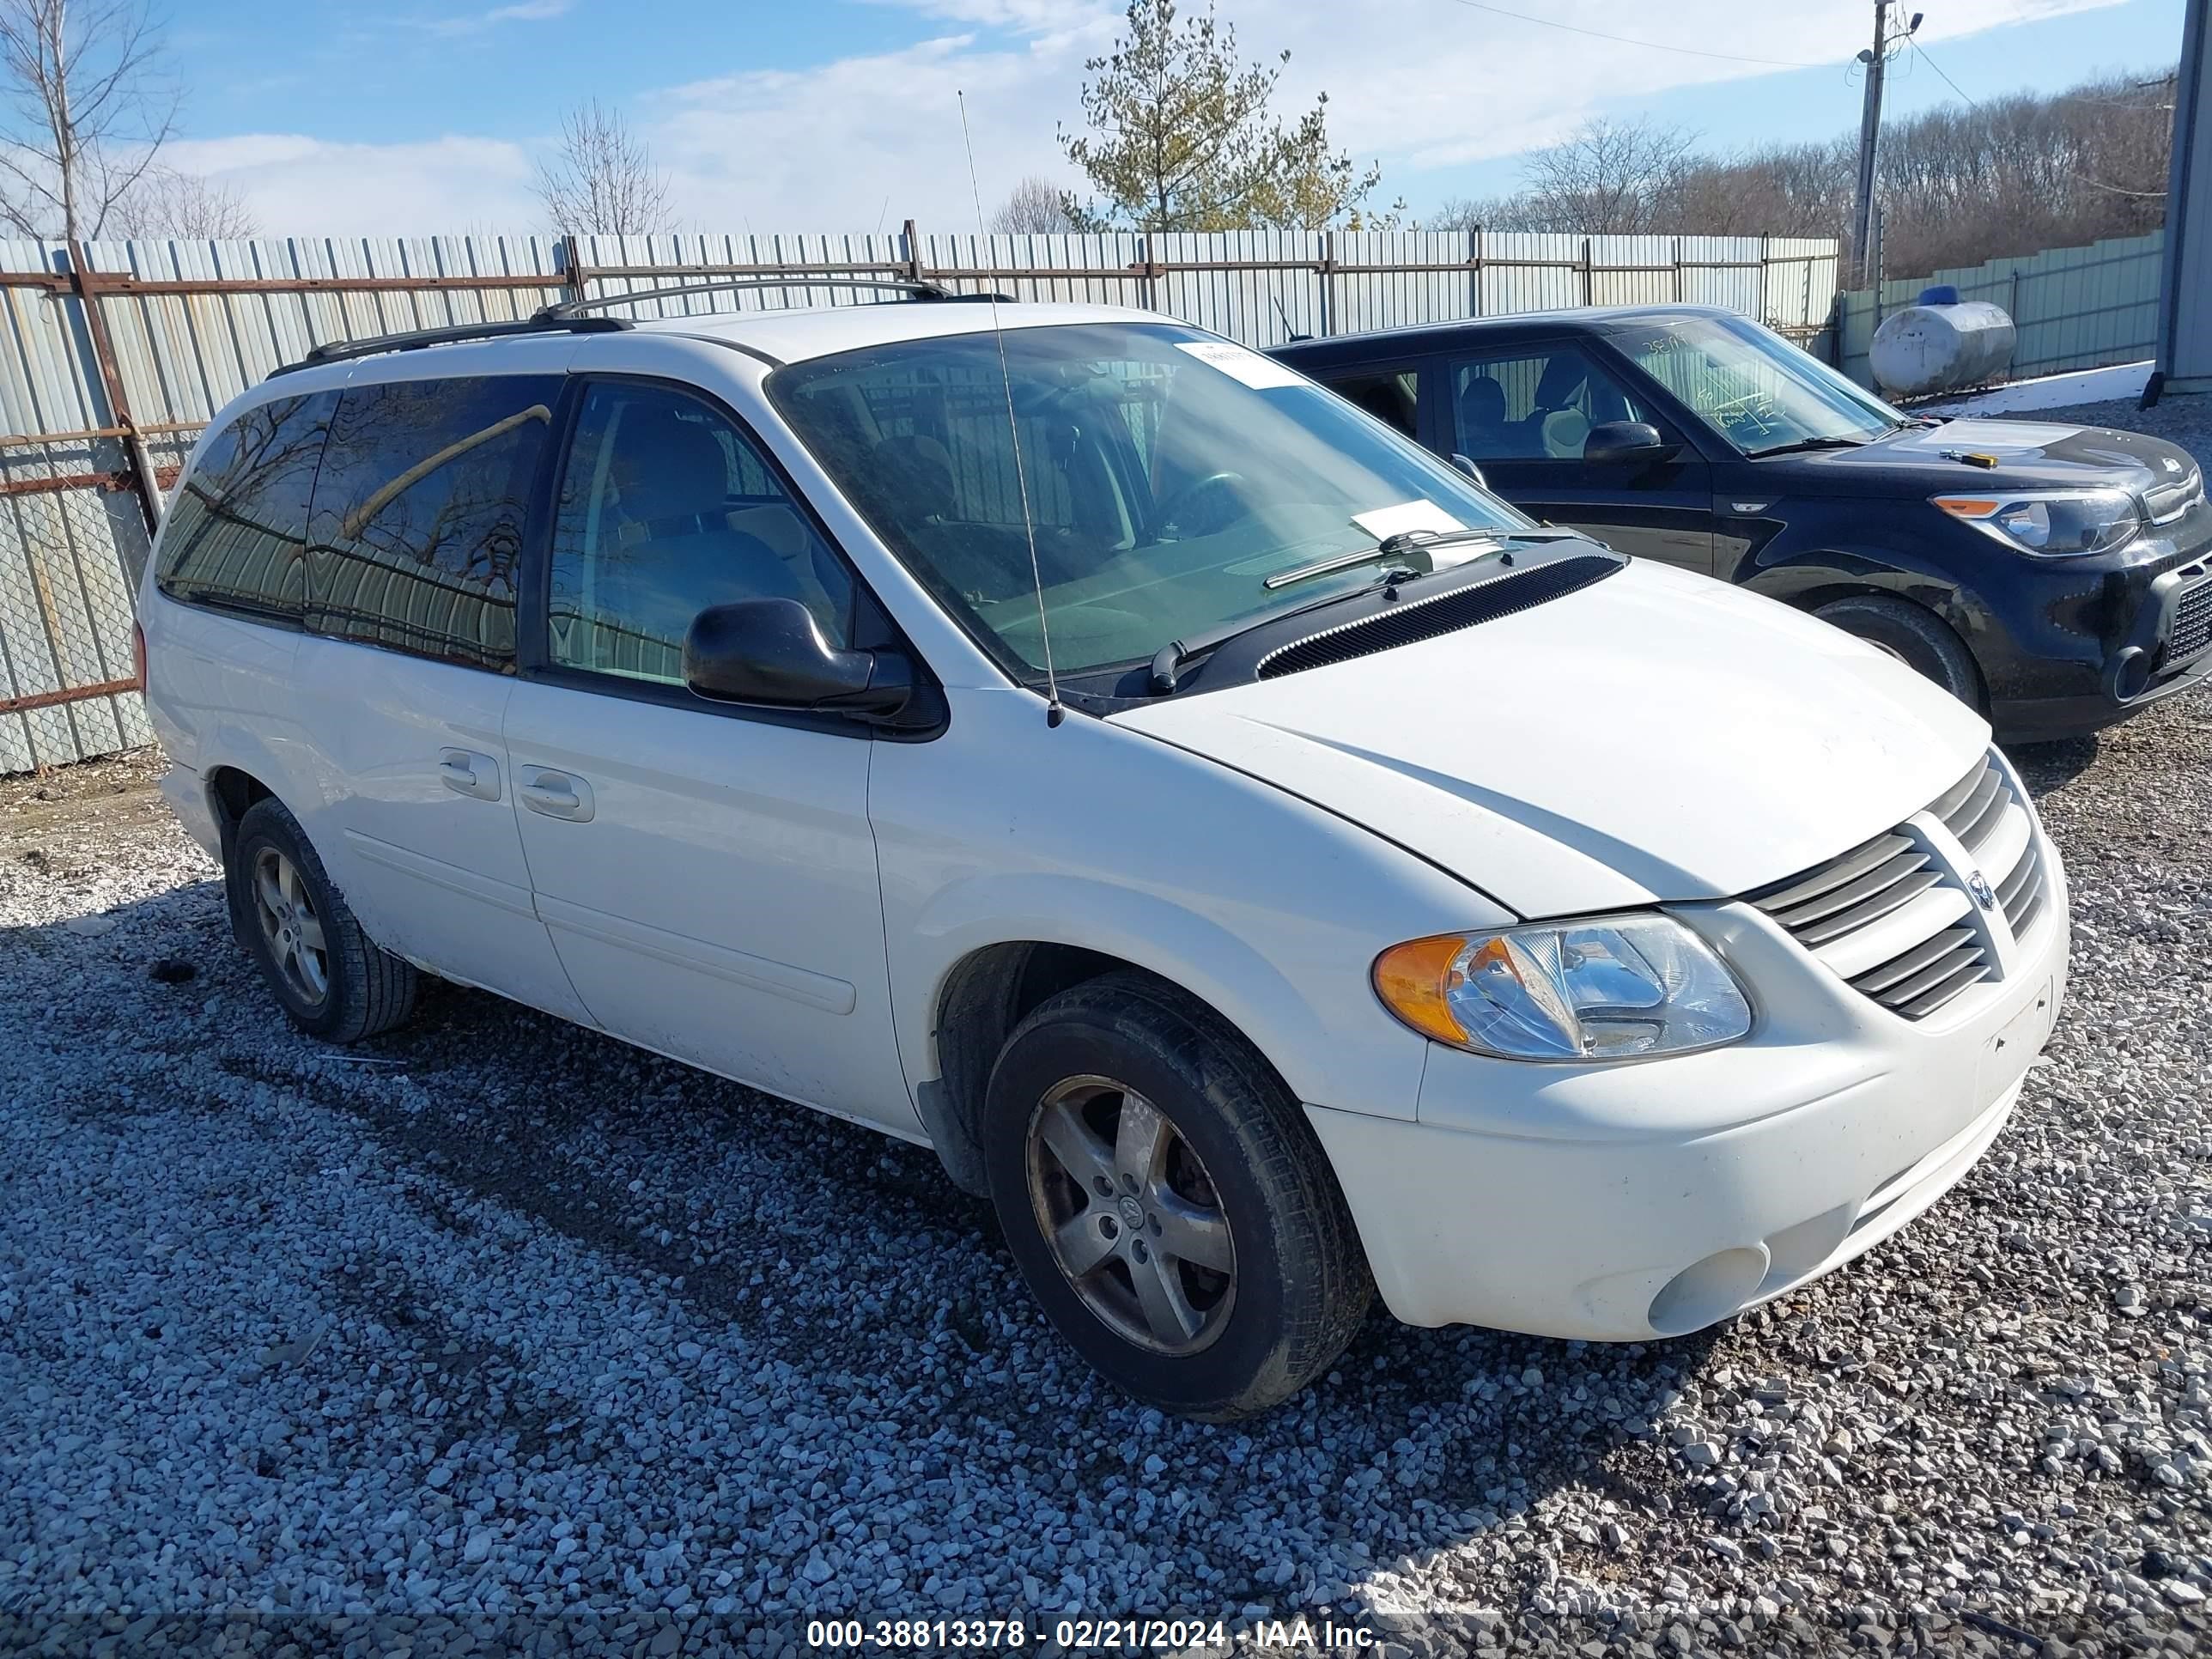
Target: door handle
(465, 773)
(556, 794)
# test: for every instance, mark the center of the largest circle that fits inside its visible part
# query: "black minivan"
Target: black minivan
(2057, 577)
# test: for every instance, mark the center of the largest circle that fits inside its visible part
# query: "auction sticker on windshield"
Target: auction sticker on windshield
(1383, 521)
(1257, 372)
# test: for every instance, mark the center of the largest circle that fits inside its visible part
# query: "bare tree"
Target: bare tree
(167, 202)
(1034, 205)
(85, 108)
(1608, 177)
(601, 181)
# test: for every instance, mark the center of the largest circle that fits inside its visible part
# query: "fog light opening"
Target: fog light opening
(2131, 673)
(1707, 1291)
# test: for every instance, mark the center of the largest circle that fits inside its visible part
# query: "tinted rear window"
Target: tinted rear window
(235, 535)
(415, 540)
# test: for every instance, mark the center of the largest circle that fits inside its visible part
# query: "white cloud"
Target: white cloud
(1422, 85)
(310, 186)
(476, 23)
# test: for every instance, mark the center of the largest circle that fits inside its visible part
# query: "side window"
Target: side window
(1537, 406)
(236, 531)
(416, 533)
(1394, 399)
(666, 509)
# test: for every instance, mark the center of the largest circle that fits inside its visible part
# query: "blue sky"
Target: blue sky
(426, 115)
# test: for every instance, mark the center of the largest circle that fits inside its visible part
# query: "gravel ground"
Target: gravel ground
(500, 1333)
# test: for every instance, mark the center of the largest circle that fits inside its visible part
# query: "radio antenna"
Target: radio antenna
(1054, 714)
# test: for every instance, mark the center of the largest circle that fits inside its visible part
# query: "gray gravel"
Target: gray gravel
(500, 1333)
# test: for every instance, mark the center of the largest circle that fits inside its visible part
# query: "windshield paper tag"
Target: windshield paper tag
(1383, 521)
(1257, 372)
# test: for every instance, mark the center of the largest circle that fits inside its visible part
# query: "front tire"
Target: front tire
(1916, 636)
(1167, 1202)
(328, 975)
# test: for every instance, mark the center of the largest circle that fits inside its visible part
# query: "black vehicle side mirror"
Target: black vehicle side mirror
(1627, 443)
(1470, 469)
(769, 653)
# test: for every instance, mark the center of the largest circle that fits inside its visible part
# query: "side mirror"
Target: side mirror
(769, 653)
(1470, 469)
(1627, 443)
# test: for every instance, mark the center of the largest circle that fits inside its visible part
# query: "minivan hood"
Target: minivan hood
(1656, 736)
(2029, 454)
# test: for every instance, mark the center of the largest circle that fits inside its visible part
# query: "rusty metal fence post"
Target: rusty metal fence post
(140, 463)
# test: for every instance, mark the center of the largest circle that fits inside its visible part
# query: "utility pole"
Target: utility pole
(1876, 60)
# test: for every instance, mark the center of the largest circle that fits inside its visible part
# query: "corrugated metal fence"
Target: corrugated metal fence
(2075, 308)
(116, 354)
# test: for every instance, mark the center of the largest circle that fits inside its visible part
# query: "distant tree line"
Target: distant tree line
(1958, 184)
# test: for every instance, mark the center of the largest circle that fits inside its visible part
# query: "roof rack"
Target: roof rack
(566, 309)
(339, 351)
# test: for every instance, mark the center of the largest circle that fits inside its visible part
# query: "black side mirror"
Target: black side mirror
(1627, 443)
(1470, 469)
(770, 653)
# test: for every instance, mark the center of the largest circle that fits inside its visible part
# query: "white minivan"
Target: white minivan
(1267, 866)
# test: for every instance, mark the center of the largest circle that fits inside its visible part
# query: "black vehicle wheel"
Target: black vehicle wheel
(1916, 636)
(331, 979)
(1167, 1202)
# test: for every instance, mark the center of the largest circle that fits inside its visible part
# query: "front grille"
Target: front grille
(2192, 622)
(1891, 919)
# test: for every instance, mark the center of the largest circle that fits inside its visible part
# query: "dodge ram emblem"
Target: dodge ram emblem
(1979, 885)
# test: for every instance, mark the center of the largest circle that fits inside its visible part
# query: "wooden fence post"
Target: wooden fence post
(140, 463)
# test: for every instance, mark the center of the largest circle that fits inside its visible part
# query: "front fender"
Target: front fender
(1092, 834)
(1179, 945)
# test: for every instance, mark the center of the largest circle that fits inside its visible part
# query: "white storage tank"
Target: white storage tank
(1941, 344)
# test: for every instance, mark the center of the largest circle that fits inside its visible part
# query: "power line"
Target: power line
(1647, 45)
(2079, 178)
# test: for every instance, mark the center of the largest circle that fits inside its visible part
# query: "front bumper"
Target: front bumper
(1632, 1202)
(2095, 647)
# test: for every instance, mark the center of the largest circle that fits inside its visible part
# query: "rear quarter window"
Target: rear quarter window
(415, 543)
(235, 535)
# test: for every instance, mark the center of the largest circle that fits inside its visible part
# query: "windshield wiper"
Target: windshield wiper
(1806, 443)
(1390, 547)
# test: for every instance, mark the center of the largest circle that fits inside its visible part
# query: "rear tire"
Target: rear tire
(329, 976)
(1916, 637)
(1167, 1203)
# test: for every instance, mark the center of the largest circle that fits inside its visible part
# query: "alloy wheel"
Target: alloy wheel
(290, 928)
(1135, 1223)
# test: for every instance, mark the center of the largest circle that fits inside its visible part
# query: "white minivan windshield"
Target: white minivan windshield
(1169, 475)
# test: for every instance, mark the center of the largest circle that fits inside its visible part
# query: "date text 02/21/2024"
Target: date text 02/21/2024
(1082, 1635)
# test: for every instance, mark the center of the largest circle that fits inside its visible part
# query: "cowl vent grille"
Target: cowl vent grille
(1447, 613)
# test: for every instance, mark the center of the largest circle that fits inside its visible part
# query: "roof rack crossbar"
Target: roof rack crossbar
(339, 351)
(920, 290)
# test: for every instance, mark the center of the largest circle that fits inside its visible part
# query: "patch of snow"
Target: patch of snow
(2085, 385)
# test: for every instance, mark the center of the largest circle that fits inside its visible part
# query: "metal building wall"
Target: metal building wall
(2184, 338)
(116, 354)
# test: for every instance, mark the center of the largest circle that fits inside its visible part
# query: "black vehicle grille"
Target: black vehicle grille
(1424, 619)
(2192, 622)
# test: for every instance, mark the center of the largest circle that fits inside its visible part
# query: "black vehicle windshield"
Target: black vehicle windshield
(1169, 475)
(1753, 387)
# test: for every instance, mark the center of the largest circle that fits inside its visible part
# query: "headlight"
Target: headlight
(1616, 988)
(2055, 524)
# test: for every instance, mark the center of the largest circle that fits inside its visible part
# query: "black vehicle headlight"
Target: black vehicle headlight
(2052, 524)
